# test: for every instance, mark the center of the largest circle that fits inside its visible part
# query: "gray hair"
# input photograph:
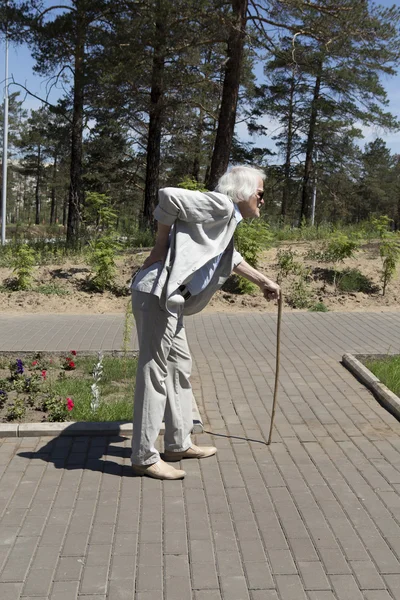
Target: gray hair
(240, 183)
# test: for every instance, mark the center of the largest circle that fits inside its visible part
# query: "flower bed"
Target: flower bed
(69, 387)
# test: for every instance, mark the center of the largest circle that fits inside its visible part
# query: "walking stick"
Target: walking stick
(278, 347)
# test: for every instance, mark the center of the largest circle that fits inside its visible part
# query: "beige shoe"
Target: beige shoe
(159, 470)
(192, 452)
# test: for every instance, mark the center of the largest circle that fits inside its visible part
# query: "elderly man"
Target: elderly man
(192, 258)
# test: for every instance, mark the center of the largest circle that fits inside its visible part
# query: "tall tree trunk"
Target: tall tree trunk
(198, 140)
(53, 208)
(156, 115)
(75, 199)
(37, 187)
(230, 93)
(65, 208)
(288, 158)
(306, 189)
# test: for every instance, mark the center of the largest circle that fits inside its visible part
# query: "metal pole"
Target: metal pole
(314, 192)
(5, 152)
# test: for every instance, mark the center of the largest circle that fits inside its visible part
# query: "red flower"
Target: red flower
(73, 352)
(70, 404)
(44, 374)
(34, 363)
(71, 364)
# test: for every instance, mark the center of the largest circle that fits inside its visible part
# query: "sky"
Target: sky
(21, 70)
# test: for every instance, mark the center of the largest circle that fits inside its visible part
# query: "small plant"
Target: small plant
(352, 280)
(318, 307)
(97, 373)
(32, 384)
(3, 397)
(50, 289)
(251, 238)
(23, 264)
(102, 260)
(56, 407)
(16, 411)
(299, 295)
(390, 254)
(16, 368)
(287, 263)
(69, 363)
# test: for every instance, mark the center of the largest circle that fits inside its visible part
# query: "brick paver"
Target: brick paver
(315, 516)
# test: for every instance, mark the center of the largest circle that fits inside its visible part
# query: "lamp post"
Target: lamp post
(5, 150)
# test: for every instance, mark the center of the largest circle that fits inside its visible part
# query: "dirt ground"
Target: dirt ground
(72, 278)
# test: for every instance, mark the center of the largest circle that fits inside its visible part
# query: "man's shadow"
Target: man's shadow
(71, 450)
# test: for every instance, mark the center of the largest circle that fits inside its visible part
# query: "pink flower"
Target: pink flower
(34, 363)
(70, 404)
(44, 374)
(73, 352)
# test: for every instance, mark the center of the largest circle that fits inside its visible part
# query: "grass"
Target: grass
(116, 390)
(387, 370)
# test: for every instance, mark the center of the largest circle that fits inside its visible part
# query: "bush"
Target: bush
(251, 238)
(102, 260)
(299, 295)
(352, 280)
(287, 263)
(23, 264)
(318, 307)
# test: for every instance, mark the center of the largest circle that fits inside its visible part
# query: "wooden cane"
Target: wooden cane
(278, 348)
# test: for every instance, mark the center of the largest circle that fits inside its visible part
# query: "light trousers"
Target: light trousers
(163, 387)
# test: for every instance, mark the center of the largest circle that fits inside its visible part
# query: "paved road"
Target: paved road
(314, 516)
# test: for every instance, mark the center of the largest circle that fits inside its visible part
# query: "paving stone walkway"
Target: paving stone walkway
(314, 516)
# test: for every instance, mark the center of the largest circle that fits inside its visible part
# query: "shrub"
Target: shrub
(287, 263)
(251, 238)
(318, 307)
(23, 264)
(102, 260)
(390, 254)
(352, 280)
(189, 183)
(16, 410)
(299, 295)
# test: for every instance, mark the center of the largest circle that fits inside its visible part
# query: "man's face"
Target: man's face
(251, 209)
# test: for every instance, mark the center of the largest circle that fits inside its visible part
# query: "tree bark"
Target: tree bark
(37, 187)
(230, 93)
(306, 189)
(75, 198)
(156, 115)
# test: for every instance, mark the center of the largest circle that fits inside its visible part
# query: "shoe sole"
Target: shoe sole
(145, 473)
(177, 459)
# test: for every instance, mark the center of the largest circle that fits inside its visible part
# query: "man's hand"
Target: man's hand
(157, 254)
(270, 289)
(160, 250)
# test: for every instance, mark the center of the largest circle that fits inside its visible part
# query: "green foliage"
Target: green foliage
(390, 254)
(188, 183)
(51, 289)
(23, 264)
(381, 225)
(287, 263)
(141, 238)
(387, 370)
(318, 307)
(352, 280)
(56, 408)
(99, 212)
(339, 247)
(251, 238)
(16, 410)
(299, 295)
(102, 260)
